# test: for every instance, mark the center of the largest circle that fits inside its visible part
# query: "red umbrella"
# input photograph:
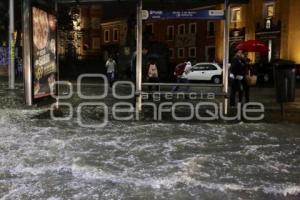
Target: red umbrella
(253, 46)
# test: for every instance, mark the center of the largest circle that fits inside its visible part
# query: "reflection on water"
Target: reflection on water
(43, 159)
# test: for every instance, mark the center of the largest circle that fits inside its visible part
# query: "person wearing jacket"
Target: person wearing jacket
(110, 70)
(179, 70)
(187, 70)
(249, 70)
(238, 70)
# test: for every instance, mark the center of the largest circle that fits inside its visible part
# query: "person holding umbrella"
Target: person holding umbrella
(253, 46)
(238, 67)
(249, 72)
(256, 46)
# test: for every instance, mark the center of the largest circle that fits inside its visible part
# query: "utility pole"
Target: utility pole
(226, 54)
(11, 66)
(139, 41)
(26, 22)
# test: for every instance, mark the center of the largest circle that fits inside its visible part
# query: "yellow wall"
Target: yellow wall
(294, 31)
(219, 37)
(287, 11)
(283, 13)
(252, 16)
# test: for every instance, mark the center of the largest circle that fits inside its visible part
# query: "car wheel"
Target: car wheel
(216, 80)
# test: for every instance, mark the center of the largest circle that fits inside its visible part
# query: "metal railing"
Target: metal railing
(202, 85)
(184, 84)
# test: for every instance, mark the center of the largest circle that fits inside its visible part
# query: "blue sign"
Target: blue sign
(199, 14)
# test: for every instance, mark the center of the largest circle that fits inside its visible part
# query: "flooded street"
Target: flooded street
(46, 159)
(150, 100)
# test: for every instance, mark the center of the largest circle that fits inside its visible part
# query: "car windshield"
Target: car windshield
(199, 67)
(211, 67)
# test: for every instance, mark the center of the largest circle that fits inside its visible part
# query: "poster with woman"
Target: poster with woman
(44, 53)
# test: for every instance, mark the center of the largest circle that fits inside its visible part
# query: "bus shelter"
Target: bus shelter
(37, 57)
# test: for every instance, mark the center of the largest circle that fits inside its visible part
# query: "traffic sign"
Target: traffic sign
(200, 14)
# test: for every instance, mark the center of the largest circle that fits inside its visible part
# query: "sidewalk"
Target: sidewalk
(267, 97)
(14, 99)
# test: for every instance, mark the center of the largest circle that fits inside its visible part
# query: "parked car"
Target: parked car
(206, 72)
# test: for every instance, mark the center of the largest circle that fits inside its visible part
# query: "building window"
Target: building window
(170, 33)
(192, 52)
(193, 28)
(180, 53)
(211, 28)
(172, 55)
(106, 36)
(149, 28)
(270, 45)
(181, 29)
(269, 9)
(236, 14)
(116, 35)
(268, 23)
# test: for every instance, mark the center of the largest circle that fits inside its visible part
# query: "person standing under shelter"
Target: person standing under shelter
(184, 77)
(19, 70)
(152, 75)
(133, 62)
(179, 70)
(110, 70)
(238, 68)
(248, 70)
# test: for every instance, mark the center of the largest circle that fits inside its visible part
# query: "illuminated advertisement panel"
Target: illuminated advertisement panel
(44, 26)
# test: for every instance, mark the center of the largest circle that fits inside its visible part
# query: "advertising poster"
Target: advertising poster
(44, 53)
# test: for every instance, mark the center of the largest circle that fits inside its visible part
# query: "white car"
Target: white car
(205, 72)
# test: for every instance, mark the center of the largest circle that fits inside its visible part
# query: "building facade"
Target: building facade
(113, 36)
(85, 38)
(193, 39)
(271, 21)
(186, 39)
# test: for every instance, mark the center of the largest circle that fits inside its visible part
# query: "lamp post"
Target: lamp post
(27, 62)
(226, 54)
(139, 39)
(11, 67)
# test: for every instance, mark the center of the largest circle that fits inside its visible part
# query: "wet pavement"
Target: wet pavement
(45, 159)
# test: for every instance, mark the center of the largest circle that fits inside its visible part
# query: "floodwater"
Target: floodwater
(45, 159)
